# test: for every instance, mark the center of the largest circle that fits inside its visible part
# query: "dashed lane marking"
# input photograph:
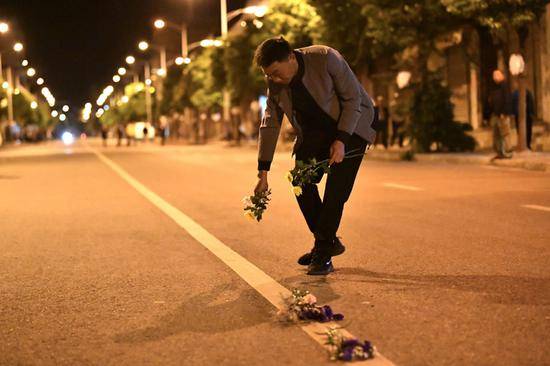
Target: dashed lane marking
(537, 207)
(402, 186)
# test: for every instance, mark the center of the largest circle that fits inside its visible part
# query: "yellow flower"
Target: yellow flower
(249, 215)
(297, 190)
(289, 177)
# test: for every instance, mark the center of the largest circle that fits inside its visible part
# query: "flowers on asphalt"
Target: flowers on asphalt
(347, 349)
(256, 205)
(302, 306)
(306, 172)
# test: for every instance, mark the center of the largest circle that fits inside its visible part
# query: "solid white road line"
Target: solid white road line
(401, 186)
(537, 207)
(270, 289)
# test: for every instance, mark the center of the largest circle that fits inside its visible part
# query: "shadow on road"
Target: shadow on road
(209, 312)
(498, 289)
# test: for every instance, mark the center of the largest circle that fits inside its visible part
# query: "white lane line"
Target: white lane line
(537, 207)
(270, 289)
(402, 186)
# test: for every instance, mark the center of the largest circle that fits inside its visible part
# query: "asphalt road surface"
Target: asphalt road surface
(100, 263)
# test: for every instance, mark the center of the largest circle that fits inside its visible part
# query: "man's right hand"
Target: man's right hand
(262, 185)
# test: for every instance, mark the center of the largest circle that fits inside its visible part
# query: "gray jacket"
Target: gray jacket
(333, 85)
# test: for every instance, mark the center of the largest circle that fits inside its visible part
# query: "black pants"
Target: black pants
(323, 217)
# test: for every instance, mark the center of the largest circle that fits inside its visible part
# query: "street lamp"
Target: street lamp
(65, 108)
(143, 46)
(258, 11)
(116, 78)
(4, 27)
(130, 60)
(182, 60)
(18, 47)
(39, 81)
(31, 72)
(34, 105)
(54, 113)
(25, 63)
(161, 24)
(121, 71)
(517, 68)
(403, 79)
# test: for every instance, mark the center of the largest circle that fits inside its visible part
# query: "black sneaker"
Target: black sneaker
(320, 265)
(336, 249)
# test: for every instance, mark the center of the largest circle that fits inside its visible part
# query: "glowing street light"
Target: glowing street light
(25, 63)
(143, 45)
(34, 105)
(62, 117)
(54, 113)
(116, 78)
(65, 108)
(18, 47)
(159, 23)
(4, 27)
(517, 64)
(258, 11)
(121, 71)
(39, 81)
(5, 85)
(31, 72)
(161, 72)
(130, 60)
(403, 79)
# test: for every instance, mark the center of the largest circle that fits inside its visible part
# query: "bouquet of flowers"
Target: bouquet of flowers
(256, 205)
(348, 349)
(305, 173)
(302, 306)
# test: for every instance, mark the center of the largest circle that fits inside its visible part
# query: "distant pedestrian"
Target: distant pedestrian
(398, 119)
(145, 133)
(530, 112)
(163, 129)
(130, 133)
(119, 134)
(381, 126)
(501, 110)
(104, 134)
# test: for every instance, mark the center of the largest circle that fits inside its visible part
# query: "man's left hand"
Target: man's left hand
(337, 152)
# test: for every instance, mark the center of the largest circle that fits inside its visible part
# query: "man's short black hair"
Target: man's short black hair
(272, 50)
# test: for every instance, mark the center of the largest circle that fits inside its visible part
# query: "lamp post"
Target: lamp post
(17, 47)
(258, 11)
(517, 68)
(144, 46)
(161, 24)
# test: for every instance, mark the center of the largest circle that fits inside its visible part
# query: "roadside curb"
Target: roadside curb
(528, 162)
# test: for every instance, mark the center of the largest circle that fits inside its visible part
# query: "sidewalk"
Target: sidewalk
(539, 161)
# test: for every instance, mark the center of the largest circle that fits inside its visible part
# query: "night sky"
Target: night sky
(77, 45)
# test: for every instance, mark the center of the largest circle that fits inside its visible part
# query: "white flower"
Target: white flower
(297, 190)
(289, 177)
(310, 299)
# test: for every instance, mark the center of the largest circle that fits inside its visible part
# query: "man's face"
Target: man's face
(281, 72)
